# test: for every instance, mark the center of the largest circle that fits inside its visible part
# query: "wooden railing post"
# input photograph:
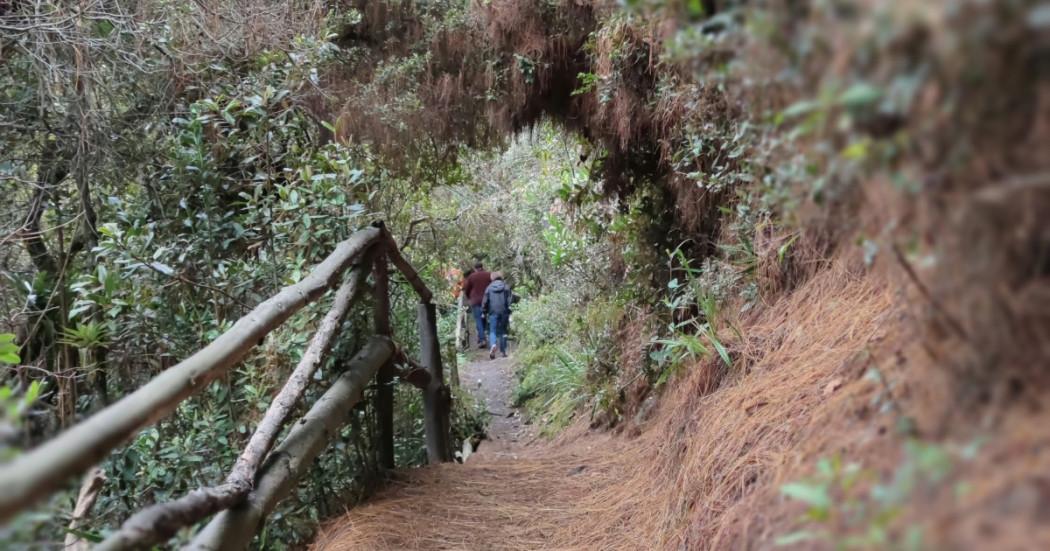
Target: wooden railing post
(454, 368)
(161, 521)
(436, 397)
(384, 399)
(250, 492)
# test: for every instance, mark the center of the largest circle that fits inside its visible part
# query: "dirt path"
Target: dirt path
(516, 492)
(493, 382)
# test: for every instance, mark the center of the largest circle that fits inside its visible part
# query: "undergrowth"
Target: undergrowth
(567, 358)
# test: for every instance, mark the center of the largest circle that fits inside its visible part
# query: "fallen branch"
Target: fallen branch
(1002, 192)
(953, 324)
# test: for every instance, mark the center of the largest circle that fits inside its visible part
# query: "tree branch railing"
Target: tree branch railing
(261, 477)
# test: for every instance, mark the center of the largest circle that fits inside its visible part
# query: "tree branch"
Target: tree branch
(89, 491)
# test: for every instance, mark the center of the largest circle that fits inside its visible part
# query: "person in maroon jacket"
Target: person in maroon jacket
(474, 288)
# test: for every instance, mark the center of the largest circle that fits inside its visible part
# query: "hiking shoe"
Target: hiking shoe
(492, 353)
(481, 346)
(504, 354)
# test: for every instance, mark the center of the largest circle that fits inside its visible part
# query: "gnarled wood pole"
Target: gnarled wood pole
(384, 398)
(234, 528)
(161, 521)
(405, 268)
(436, 397)
(50, 465)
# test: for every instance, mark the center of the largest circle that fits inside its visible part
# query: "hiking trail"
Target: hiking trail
(702, 469)
(492, 382)
(515, 492)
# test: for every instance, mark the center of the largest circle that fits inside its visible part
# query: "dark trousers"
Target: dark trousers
(498, 330)
(479, 322)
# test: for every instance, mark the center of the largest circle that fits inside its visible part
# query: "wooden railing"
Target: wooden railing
(263, 474)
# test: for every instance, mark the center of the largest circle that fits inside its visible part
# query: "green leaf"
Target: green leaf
(797, 537)
(32, 393)
(8, 349)
(103, 27)
(812, 494)
(89, 536)
(722, 352)
(860, 95)
(799, 109)
(782, 251)
(857, 151)
(693, 346)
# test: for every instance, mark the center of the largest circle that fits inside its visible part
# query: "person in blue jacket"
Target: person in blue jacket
(496, 305)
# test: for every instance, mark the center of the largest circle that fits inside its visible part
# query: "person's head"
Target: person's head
(478, 266)
(497, 275)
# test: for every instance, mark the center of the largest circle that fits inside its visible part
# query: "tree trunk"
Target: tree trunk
(460, 323)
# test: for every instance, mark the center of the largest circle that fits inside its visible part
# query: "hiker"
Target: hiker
(496, 305)
(474, 288)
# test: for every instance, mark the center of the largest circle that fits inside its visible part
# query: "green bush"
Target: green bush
(552, 387)
(567, 355)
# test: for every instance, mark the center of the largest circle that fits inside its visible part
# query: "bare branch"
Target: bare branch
(89, 491)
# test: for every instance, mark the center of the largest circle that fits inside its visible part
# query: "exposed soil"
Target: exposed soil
(492, 382)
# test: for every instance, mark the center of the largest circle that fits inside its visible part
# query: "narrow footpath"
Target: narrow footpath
(492, 382)
(518, 491)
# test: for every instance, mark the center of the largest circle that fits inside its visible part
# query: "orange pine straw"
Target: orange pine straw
(704, 471)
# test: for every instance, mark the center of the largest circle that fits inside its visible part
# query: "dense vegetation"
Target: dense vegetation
(650, 176)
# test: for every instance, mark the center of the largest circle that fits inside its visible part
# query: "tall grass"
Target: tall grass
(553, 385)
